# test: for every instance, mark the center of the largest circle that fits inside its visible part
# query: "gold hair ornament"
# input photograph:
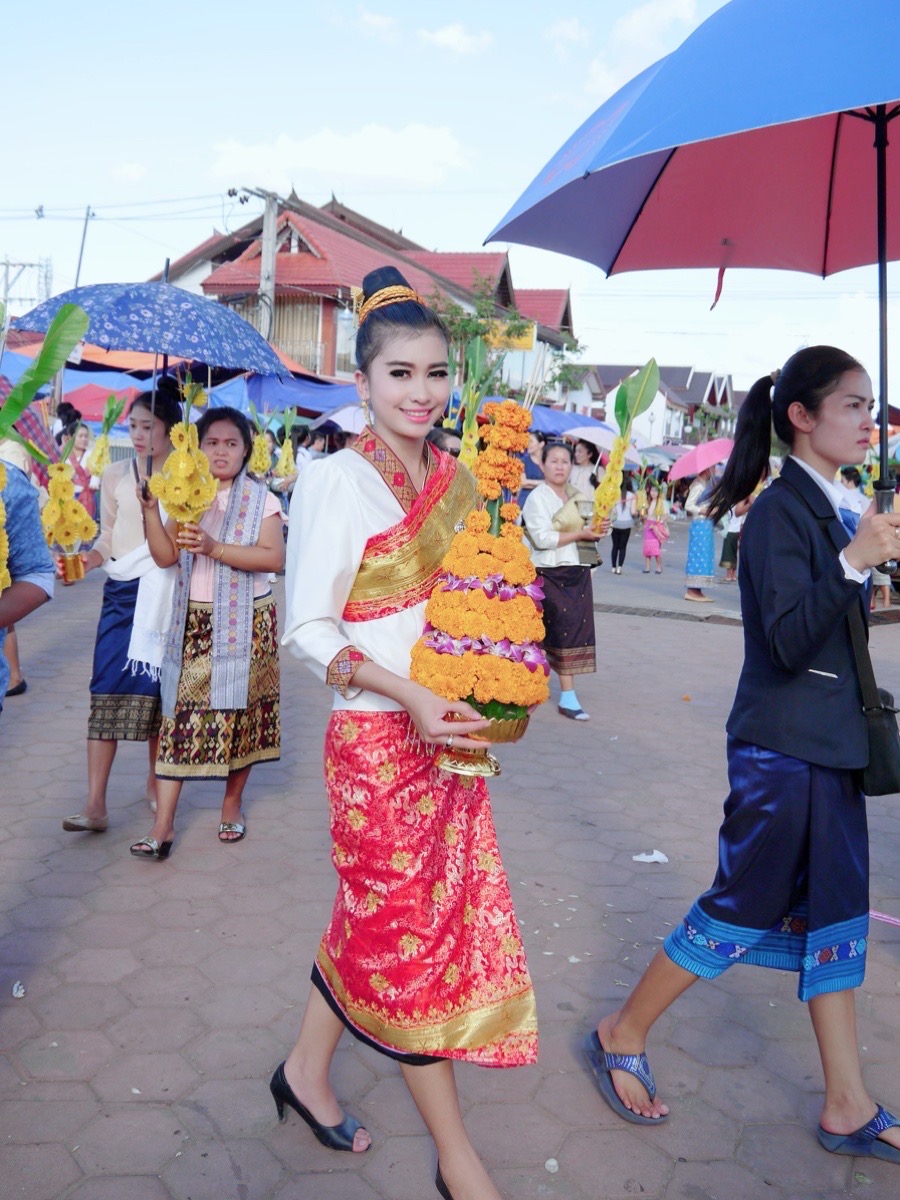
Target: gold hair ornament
(395, 294)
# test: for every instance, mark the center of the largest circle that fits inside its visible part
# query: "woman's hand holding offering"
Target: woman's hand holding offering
(435, 718)
(193, 538)
(592, 534)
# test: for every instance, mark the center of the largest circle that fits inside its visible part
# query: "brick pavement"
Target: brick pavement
(159, 996)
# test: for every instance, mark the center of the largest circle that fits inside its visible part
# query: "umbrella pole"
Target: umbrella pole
(881, 144)
(145, 489)
(884, 486)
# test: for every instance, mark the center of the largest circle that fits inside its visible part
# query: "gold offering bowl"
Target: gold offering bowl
(464, 760)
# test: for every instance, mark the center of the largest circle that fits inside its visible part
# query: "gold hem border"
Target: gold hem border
(511, 1017)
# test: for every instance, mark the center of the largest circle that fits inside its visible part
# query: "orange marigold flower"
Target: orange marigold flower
(490, 489)
(510, 511)
(478, 521)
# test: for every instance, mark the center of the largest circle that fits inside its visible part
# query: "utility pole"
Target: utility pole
(267, 262)
(9, 281)
(87, 216)
(266, 290)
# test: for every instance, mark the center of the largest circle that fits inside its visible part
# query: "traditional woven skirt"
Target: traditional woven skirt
(124, 705)
(792, 888)
(700, 569)
(423, 955)
(729, 551)
(201, 742)
(569, 638)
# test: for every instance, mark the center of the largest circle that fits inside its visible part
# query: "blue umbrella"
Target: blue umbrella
(162, 319)
(273, 395)
(750, 145)
(551, 420)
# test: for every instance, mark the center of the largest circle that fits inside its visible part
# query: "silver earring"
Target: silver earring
(367, 413)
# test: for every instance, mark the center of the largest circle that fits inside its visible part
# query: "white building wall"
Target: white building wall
(192, 279)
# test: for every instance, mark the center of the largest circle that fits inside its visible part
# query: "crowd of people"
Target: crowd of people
(422, 959)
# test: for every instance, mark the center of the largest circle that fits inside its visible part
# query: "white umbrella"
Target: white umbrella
(603, 438)
(348, 417)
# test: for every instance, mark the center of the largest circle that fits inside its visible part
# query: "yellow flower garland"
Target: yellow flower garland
(284, 468)
(260, 458)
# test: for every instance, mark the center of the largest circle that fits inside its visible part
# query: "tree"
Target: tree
(566, 372)
(488, 320)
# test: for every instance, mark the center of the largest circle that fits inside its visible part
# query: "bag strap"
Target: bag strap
(871, 699)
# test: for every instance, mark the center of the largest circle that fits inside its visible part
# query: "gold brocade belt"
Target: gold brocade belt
(401, 565)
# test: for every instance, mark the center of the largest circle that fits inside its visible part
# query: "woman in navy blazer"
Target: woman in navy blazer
(791, 890)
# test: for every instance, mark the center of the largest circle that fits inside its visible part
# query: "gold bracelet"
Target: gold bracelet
(221, 551)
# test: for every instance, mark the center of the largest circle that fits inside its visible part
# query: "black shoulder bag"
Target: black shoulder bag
(882, 776)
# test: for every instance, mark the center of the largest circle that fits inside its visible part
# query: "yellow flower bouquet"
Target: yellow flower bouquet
(635, 395)
(285, 466)
(185, 487)
(65, 521)
(66, 330)
(99, 458)
(483, 632)
(260, 458)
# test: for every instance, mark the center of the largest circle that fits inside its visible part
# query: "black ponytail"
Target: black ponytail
(749, 460)
(806, 378)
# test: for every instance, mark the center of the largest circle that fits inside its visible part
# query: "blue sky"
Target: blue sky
(426, 117)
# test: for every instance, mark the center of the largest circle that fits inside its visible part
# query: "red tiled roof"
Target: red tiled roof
(391, 238)
(547, 306)
(213, 245)
(336, 259)
(17, 338)
(461, 268)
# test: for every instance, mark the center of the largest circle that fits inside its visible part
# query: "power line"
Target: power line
(40, 211)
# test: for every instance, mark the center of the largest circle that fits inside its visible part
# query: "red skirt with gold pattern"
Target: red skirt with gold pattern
(423, 953)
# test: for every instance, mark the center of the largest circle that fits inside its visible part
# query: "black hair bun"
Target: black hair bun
(382, 277)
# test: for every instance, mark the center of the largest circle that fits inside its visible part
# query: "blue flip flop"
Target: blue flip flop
(865, 1142)
(602, 1063)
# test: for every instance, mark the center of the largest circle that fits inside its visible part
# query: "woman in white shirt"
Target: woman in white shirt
(422, 959)
(555, 527)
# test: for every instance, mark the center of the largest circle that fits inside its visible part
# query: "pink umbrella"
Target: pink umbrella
(707, 454)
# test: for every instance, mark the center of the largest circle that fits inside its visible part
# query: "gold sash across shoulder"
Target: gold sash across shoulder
(401, 565)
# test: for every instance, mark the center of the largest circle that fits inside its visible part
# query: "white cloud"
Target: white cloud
(566, 33)
(418, 156)
(637, 39)
(456, 39)
(377, 25)
(129, 172)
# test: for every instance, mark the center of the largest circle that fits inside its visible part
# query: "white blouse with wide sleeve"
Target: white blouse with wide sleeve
(339, 502)
(540, 508)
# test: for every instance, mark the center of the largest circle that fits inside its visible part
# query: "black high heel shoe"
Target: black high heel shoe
(335, 1137)
(441, 1186)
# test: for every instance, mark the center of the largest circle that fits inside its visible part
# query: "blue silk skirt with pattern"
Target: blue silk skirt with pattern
(700, 568)
(792, 887)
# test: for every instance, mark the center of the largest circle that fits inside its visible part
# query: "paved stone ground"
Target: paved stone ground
(159, 996)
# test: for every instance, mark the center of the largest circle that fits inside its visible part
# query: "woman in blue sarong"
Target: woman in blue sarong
(791, 890)
(700, 569)
(125, 704)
